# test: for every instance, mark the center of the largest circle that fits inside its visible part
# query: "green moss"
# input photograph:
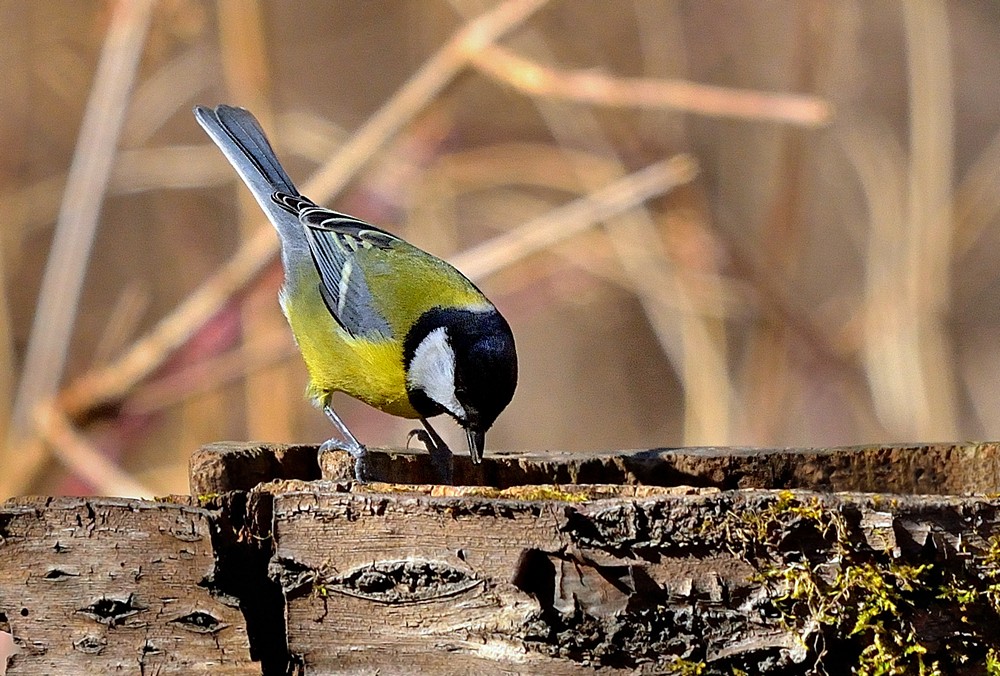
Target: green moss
(681, 667)
(849, 603)
(532, 492)
(207, 498)
(992, 662)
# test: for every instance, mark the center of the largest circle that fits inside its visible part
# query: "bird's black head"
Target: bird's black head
(461, 362)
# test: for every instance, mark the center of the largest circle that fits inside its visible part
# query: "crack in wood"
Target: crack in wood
(111, 611)
(403, 581)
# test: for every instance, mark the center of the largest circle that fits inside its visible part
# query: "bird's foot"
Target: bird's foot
(362, 466)
(442, 461)
(350, 444)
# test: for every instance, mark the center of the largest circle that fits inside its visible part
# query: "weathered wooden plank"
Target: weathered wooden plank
(763, 581)
(939, 469)
(231, 466)
(100, 586)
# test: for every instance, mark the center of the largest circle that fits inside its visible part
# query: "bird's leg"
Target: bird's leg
(441, 456)
(349, 443)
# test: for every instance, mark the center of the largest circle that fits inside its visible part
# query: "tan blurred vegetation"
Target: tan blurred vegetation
(714, 222)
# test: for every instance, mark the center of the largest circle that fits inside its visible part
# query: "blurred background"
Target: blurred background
(736, 222)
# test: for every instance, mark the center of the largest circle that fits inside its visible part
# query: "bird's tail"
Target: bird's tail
(240, 137)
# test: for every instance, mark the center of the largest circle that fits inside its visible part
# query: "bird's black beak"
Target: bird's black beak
(477, 440)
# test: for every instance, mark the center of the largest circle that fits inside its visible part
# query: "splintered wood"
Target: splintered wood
(114, 586)
(688, 561)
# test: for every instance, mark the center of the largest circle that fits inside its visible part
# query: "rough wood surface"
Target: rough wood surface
(231, 466)
(932, 469)
(709, 581)
(688, 561)
(111, 585)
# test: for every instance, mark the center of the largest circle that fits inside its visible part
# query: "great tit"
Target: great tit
(374, 316)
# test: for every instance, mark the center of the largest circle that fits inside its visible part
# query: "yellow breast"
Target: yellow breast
(337, 362)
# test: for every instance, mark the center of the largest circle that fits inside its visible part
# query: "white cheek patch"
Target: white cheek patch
(432, 370)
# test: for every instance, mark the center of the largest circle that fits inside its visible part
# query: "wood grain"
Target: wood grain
(929, 469)
(115, 586)
(415, 583)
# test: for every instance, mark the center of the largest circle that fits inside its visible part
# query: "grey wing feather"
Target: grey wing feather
(334, 240)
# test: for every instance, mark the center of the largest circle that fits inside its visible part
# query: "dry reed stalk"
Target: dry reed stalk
(769, 383)
(977, 200)
(210, 374)
(7, 358)
(158, 98)
(929, 211)
(456, 55)
(599, 89)
(693, 344)
(76, 225)
(907, 352)
(555, 168)
(575, 217)
(123, 321)
(77, 454)
(889, 334)
(36, 206)
(268, 393)
(114, 381)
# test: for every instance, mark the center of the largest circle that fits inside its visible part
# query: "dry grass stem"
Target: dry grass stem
(977, 200)
(929, 215)
(8, 360)
(694, 345)
(556, 168)
(75, 227)
(35, 207)
(638, 92)
(269, 394)
(212, 373)
(907, 352)
(436, 73)
(111, 383)
(75, 453)
(123, 320)
(575, 217)
(170, 88)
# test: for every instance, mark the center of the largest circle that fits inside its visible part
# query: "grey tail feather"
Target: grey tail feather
(241, 139)
(237, 129)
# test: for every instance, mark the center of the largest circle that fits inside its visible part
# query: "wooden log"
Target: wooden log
(669, 580)
(929, 469)
(100, 586)
(689, 561)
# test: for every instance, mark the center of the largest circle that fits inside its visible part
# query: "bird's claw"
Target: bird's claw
(356, 451)
(422, 436)
(441, 457)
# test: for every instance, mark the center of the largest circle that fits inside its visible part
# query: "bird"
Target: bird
(374, 316)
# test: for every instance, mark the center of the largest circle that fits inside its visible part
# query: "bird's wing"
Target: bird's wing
(335, 240)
